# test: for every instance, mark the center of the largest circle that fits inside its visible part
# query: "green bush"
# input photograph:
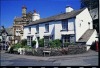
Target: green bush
(23, 42)
(33, 43)
(16, 46)
(41, 42)
(66, 44)
(27, 47)
(52, 44)
(55, 43)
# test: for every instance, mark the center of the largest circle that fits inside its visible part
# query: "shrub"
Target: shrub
(16, 46)
(41, 43)
(23, 42)
(33, 43)
(66, 44)
(55, 43)
(52, 44)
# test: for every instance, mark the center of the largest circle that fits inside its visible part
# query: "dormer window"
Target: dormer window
(46, 27)
(37, 28)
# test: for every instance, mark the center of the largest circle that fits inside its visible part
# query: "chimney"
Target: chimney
(24, 11)
(35, 16)
(69, 9)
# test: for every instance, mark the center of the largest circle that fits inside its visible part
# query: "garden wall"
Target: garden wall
(76, 49)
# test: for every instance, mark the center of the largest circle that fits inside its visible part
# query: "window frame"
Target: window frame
(65, 25)
(29, 30)
(37, 28)
(47, 27)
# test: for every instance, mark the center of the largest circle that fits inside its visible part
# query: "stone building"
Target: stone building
(19, 22)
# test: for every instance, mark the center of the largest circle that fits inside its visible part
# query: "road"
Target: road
(89, 58)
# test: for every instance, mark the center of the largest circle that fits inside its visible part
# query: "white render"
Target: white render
(76, 26)
(83, 18)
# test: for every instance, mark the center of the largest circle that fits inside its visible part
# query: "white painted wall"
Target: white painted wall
(71, 24)
(55, 28)
(83, 18)
(57, 31)
(25, 32)
(41, 31)
(76, 26)
(92, 38)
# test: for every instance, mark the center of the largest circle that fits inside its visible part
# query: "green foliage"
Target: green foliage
(66, 44)
(33, 43)
(41, 42)
(55, 43)
(91, 4)
(27, 47)
(52, 44)
(16, 46)
(23, 42)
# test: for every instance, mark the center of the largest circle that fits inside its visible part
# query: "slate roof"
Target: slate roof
(94, 13)
(85, 37)
(9, 31)
(58, 17)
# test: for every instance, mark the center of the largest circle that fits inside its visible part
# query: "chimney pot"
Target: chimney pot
(69, 9)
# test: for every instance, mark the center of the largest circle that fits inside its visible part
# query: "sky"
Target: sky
(11, 8)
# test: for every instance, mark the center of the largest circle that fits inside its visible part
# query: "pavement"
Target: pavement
(89, 58)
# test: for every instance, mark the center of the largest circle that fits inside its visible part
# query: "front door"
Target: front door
(46, 41)
(65, 38)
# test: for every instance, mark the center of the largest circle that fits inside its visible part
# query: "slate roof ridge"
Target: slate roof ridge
(55, 17)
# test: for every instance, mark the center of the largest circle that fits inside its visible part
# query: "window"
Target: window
(37, 28)
(65, 38)
(29, 39)
(29, 29)
(46, 27)
(46, 41)
(65, 25)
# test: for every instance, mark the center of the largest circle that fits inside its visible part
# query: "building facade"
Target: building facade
(6, 37)
(72, 26)
(21, 21)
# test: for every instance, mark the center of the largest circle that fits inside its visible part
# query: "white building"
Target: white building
(71, 26)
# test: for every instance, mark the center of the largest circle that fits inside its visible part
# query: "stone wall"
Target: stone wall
(76, 49)
(71, 49)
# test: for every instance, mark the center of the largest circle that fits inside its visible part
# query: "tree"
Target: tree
(91, 4)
